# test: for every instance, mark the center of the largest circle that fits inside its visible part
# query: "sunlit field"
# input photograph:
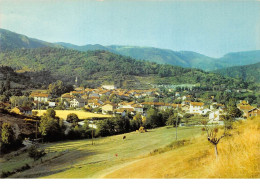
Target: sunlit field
(81, 114)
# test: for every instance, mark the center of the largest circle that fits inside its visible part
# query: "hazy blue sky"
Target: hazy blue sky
(209, 27)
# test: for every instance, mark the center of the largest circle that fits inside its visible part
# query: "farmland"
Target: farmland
(81, 114)
(80, 159)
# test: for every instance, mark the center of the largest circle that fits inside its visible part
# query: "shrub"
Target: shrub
(35, 153)
(142, 130)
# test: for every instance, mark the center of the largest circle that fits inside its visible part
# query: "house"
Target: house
(40, 97)
(138, 108)
(79, 89)
(77, 93)
(185, 108)
(77, 102)
(94, 96)
(216, 106)
(67, 97)
(205, 111)
(254, 112)
(108, 108)
(177, 94)
(22, 110)
(109, 87)
(52, 104)
(216, 117)
(196, 107)
(245, 107)
(94, 103)
(159, 105)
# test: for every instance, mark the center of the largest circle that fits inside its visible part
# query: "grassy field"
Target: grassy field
(80, 159)
(238, 158)
(81, 114)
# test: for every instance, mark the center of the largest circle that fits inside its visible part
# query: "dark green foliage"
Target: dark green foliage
(94, 67)
(58, 88)
(50, 127)
(72, 118)
(232, 111)
(187, 115)
(7, 133)
(8, 141)
(35, 153)
(8, 173)
(136, 122)
(153, 119)
(250, 73)
(173, 120)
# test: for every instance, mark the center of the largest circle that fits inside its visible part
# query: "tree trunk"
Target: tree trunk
(216, 151)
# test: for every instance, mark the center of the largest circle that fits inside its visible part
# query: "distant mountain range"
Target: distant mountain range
(188, 59)
(181, 58)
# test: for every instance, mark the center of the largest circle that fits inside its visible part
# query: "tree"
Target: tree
(22, 101)
(232, 111)
(72, 118)
(214, 136)
(137, 122)
(57, 88)
(50, 127)
(7, 86)
(173, 120)
(152, 119)
(7, 134)
(51, 113)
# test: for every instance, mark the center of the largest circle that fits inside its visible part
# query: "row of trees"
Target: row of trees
(153, 119)
(52, 127)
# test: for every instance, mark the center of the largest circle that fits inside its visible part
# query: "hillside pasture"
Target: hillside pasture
(81, 114)
(81, 159)
(238, 158)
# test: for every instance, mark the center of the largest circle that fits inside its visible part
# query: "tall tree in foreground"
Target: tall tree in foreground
(50, 127)
(7, 135)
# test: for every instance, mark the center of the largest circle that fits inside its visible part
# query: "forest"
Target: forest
(94, 68)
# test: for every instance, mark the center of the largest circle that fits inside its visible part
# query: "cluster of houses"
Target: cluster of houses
(91, 99)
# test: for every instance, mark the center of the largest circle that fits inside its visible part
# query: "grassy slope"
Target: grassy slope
(79, 159)
(238, 158)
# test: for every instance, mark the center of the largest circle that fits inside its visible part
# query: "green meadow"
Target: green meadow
(81, 159)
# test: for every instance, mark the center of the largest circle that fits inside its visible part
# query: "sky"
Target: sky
(210, 27)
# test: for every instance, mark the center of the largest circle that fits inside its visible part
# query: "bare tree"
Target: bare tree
(214, 137)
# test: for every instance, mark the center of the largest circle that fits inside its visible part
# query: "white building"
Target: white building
(77, 102)
(41, 97)
(196, 107)
(215, 116)
(109, 87)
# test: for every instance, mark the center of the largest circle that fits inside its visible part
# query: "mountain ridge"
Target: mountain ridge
(188, 59)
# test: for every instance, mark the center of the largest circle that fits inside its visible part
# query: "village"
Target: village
(109, 100)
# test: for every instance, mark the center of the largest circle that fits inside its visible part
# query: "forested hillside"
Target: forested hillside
(250, 73)
(97, 67)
